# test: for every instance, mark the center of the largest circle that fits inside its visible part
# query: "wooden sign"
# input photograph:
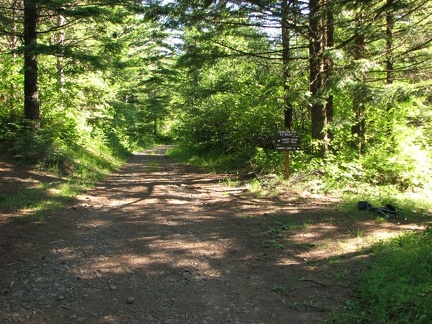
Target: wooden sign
(287, 141)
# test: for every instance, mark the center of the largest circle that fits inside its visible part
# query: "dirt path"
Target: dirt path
(158, 243)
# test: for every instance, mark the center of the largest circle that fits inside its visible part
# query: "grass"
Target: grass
(410, 204)
(86, 166)
(278, 289)
(280, 226)
(396, 285)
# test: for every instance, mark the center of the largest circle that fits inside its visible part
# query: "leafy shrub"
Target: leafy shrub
(267, 161)
(20, 139)
(47, 146)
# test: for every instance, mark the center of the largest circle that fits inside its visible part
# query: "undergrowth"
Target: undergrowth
(72, 163)
(32, 203)
(396, 286)
(329, 177)
(215, 162)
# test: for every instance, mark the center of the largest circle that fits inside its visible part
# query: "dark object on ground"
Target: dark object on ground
(363, 205)
(387, 210)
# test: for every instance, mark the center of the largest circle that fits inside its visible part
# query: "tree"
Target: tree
(286, 61)
(358, 94)
(42, 17)
(31, 96)
(320, 70)
(231, 102)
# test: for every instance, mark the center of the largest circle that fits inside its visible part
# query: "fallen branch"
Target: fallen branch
(233, 189)
(318, 283)
(55, 242)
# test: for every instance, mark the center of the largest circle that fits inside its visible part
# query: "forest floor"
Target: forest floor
(160, 242)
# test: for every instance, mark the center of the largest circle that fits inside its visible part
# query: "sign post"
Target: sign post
(287, 140)
(287, 170)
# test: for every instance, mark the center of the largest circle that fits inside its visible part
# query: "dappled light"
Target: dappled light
(24, 191)
(297, 110)
(155, 243)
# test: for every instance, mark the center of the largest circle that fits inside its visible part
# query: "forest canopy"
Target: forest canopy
(219, 78)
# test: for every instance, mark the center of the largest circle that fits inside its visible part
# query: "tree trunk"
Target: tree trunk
(328, 71)
(359, 128)
(321, 108)
(31, 99)
(315, 76)
(288, 110)
(60, 58)
(389, 65)
(13, 89)
(389, 42)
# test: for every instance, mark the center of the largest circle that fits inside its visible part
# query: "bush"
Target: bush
(54, 145)
(20, 139)
(267, 161)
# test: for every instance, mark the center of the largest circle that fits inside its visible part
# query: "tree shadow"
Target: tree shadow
(22, 189)
(153, 244)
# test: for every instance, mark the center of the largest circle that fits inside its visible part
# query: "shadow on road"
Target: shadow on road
(159, 243)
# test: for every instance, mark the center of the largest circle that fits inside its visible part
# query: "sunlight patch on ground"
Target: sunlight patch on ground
(104, 266)
(177, 202)
(287, 262)
(149, 201)
(324, 241)
(135, 260)
(54, 191)
(123, 202)
(65, 253)
(95, 223)
(146, 153)
(314, 231)
(150, 181)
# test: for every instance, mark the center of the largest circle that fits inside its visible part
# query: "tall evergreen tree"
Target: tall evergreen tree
(31, 95)
(41, 17)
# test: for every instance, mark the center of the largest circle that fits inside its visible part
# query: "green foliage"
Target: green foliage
(126, 81)
(267, 161)
(404, 169)
(55, 145)
(215, 162)
(11, 85)
(61, 151)
(21, 140)
(233, 102)
(397, 286)
(230, 105)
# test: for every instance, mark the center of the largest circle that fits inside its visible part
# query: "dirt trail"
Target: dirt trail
(157, 242)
